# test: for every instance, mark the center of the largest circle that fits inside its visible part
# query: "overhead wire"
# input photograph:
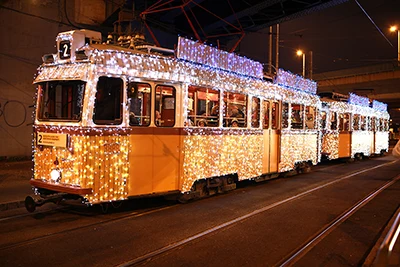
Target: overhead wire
(373, 22)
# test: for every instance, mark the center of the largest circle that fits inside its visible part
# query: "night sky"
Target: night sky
(340, 37)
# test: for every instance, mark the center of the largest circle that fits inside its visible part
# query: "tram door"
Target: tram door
(344, 128)
(271, 111)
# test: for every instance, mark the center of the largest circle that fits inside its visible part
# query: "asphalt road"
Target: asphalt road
(260, 224)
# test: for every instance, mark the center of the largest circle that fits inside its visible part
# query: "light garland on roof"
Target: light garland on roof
(358, 100)
(379, 106)
(209, 56)
(295, 82)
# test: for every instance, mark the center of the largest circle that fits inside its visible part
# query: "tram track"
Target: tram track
(163, 250)
(104, 222)
(302, 250)
(178, 244)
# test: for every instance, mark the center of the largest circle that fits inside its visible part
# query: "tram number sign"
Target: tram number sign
(51, 139)
(64, 51)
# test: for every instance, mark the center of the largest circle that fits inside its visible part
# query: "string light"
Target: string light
(98, 157)
(361, 139)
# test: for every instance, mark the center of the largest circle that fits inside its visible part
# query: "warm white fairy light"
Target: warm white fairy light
(100, 157)
(158, 67)
(361, 141)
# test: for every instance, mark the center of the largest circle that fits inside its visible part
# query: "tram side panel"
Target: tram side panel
(345, 144)
(141, 163)
(166, 160)
(297, 147)
(210, 154)
(271, 141)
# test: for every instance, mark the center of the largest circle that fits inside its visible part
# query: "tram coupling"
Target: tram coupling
(32, 202)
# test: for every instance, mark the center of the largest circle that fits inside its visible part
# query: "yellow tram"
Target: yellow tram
(352, 126)
(115, 122)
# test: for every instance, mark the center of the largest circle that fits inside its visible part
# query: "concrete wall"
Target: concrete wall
(27, 31)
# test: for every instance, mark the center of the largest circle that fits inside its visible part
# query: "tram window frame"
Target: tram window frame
(255, 112)
(67, 105)
(203, 107)
(162, 108)
(297, 117)
(334, 121)
(139, 110)
(344, 122)
(235, 114)
(111, 89)
(285, 115)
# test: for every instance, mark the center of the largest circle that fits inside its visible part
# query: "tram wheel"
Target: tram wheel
(30, 204)
(104, 207)
(184, 198)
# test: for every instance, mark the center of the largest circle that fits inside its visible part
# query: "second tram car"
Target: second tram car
(352, 126)
(116, 122)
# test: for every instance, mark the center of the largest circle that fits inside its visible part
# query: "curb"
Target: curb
(12, 205)
(371, 258)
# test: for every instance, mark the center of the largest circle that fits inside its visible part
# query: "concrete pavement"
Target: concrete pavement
(14, 183)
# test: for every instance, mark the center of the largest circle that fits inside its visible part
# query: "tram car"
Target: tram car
(127, 120)
(353, 126)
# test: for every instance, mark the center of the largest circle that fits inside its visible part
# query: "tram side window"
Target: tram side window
(61, 100)
(310, 117)
(385, 125)
(255, 112)
(356, 122)
(108, 104)
(275, 115)
(380, 125)
(297, 116)
(344, 122)
(203, 107)
(139, 97)
(323, 120)
(266, 114)
(164, 114)
(236, 110)
(285, 115)
(334, 121)
(363, 122)
(373, 124)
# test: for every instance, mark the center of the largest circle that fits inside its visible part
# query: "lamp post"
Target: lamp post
(395, 29)
(299, 53)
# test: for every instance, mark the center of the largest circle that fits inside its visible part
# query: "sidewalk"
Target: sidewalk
(14, 183)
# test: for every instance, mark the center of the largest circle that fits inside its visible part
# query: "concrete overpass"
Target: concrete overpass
(380, 82)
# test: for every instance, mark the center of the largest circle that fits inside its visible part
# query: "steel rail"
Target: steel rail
(327, 230)
(130, 215)
(219, 227)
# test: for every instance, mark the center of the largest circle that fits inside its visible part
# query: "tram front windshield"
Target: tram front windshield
(60, 100)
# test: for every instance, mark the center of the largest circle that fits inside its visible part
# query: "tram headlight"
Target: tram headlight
(55, 175)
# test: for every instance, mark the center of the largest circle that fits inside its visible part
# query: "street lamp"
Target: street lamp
(299, 53)
(395, 29)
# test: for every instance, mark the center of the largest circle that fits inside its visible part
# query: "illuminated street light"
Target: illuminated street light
(299, 53)
(395, 29)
